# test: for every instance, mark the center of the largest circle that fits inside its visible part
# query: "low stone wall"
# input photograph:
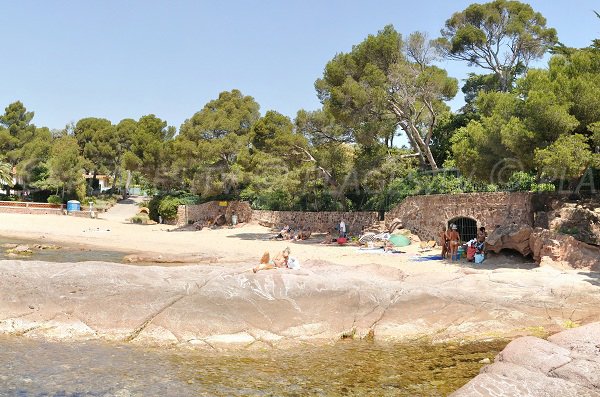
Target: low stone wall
(26, 210)
(209, 211)
(425, 215)
(316, 221)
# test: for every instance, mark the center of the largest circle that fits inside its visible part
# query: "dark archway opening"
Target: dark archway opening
(467, 227)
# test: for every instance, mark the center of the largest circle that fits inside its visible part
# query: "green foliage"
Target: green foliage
(140, 219)
(521, 181)
(385, 83)
(54, 199)
(5, 174)
(566, 158)
(65, 164)
(168, 207)
(501, 36)
(165, 205)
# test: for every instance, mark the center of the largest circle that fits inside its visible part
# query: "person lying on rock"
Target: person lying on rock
(280, 260)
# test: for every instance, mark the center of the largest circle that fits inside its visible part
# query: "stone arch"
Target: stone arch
(467, 227)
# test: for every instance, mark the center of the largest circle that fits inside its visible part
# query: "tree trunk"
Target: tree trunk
(127, 182)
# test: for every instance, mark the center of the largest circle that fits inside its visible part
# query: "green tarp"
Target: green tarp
(399, 240)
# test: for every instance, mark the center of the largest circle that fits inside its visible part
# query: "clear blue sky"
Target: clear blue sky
(66, 60)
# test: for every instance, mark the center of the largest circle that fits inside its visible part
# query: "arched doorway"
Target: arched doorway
(467, 227)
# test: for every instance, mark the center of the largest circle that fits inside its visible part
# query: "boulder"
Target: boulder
(21, 249)
(514, 237)
(567, 364)
(561, 250)
(580, 222)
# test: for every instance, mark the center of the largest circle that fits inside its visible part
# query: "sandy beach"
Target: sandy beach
(243, 244)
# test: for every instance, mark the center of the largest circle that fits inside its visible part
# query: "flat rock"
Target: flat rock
(218, 306)
(568, 364)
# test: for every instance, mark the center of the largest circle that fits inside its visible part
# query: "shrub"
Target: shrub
(139, 219)
(54, 199)
(168, 207)
(520, 181)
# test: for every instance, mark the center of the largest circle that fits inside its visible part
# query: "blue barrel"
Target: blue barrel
(73, 205)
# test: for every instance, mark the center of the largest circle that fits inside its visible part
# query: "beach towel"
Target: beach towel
(426, 258)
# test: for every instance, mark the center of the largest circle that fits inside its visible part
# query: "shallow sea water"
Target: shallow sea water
(64, 254)
(348, 368)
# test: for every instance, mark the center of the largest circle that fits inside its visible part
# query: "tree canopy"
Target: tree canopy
(502, 36)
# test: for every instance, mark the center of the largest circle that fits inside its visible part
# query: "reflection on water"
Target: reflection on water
(64, 254)
(349, 368)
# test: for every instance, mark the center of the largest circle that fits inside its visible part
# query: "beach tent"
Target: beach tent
(399, 240)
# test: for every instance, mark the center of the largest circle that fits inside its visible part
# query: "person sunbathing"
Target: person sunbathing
(280, 260)
(303, 235)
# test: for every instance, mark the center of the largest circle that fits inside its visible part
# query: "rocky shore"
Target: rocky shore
(225, 306)
(567, 364)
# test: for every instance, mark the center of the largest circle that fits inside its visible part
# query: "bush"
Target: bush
(54, 199)
(140, 219)
(168, 207)
(543, 187)
(520, 181)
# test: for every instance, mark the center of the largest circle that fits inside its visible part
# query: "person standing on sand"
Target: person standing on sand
(342, 228)
(454, 238)
(280, 260)
(444, 242)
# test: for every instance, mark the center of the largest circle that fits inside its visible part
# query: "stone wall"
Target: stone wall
(425, 215)
(316, 221)
(207, 212)
(25, 210)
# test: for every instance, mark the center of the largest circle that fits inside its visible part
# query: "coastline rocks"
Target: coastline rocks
(548, 248)
(218, 306)
(21, 249)
(561, 250)
(514, 237)
(161, 258)
(581, 220)
(567, 364)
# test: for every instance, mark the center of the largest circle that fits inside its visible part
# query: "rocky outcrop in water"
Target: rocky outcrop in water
(567, 364)
(224, 306)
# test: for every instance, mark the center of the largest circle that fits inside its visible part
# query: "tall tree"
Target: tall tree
(384, 85)
(502, 36)
(219, 131)
(65, 164)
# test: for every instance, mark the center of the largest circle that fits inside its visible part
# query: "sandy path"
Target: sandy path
(244, 244)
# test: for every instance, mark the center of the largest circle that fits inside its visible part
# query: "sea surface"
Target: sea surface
(65, 253)
(348, 368)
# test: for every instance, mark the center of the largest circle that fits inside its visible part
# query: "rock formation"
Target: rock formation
(567, 364)
(546, 247)
(514, 237)
(227, 306)
(552, 248)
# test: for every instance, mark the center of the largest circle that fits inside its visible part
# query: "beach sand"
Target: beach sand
(231, 245)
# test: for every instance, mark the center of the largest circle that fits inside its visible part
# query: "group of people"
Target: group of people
(450, 241)
(287, 233)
